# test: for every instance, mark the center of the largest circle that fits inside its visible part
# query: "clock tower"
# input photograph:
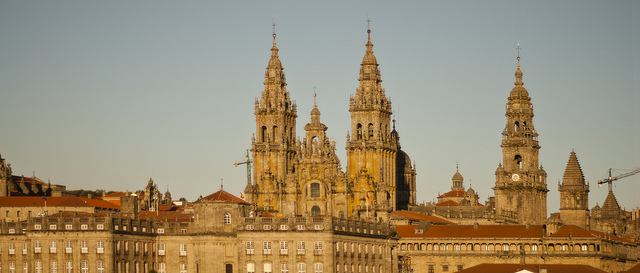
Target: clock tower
(521, 184)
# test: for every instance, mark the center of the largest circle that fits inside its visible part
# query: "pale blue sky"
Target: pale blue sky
(105, 94)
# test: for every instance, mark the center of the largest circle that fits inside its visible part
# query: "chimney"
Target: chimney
(543, 270)
(476, 225)
(129, 206)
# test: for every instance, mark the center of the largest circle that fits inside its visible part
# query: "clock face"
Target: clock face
(515, 177)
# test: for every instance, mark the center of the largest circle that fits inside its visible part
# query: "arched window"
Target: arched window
(359, 131)
(516, 126)
(227, 218)
(275, 133)
(518, 161)
(263, 133)
(317, 268)
(370, 130)
(315, 190)
(315, 210)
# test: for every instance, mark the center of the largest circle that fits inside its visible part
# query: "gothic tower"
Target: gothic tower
(521, 184)
(273, 145)
(574, 195)
(6, 178)
(372, 148)
(321, 183)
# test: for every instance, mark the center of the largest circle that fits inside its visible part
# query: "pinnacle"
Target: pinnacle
(573, 173)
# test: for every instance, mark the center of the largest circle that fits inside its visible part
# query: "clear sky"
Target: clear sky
(106, 94)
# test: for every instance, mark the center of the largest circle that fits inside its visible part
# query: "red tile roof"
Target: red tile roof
(574, 231)
(66, 201)
(115, 194)
(447, 203)
(420, 217)
(29, 180)
(551, 268)
(221, 196)
(453, 194)
(469, 231)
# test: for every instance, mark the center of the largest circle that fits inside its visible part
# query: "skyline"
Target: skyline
(107, 95)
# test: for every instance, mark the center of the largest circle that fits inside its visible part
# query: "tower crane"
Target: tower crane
(248, 162)
(610, 179)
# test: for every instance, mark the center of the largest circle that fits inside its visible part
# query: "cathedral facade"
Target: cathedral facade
(304, 177)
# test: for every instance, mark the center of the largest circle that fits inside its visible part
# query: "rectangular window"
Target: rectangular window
(445, 268)
(12, 249)
(162, 268)
(38, 266)
(460, 267)
(266, 247)
(84, 226)
(67, 247)
(52, 247)
(100, 247)
(68, 267)
(183, 268)
(100, 226)
(84, 247)
(267, 268)
(183, 250)
(161, 230)
(301, 248)
(431, 269)
(25, 246)
(161, 249)
(100, 266)
(37, 226)
(284, 268)
(284, 248)
(25, 267)
(53, 227)
(302, 268)
(250, 248)
(68, 226)
(251, 268)
(53, 266)
(37, 247)
(84, 267)
(317, 248)
(12, 267)
(318, 268)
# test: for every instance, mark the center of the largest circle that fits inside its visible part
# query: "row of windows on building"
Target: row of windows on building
(445, 268)
(53, 247)
(66, 267)
(284, 268)
(137, 267)
(496, 247)
(84, 247)
(284, 248)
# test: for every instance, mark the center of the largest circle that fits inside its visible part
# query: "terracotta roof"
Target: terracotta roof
(66, 201)
(447, 203)
(469, 231)
(29, 180)
(551, 268)
(574, 231)
(115, 194)
(78, 214)
(221, 196)
(453, 194)
(420, 217)
(170, 216)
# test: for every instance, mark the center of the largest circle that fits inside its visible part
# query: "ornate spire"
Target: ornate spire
(519, 92)
(275, 95)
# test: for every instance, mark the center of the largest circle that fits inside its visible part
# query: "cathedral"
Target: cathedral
(304, 177)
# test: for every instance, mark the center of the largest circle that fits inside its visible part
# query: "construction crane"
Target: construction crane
(248, 162)
(610, 179)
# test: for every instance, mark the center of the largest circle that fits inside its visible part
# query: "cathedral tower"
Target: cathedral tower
(574, 195)
(521, 184)
(6, 178)
(321, 183)
(372, 148)
(273, 145)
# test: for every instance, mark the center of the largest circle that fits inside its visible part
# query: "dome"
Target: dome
(457, 176)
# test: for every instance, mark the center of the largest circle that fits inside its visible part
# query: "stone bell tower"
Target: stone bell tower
(521, 184)
(273, 146)
(372, 148)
